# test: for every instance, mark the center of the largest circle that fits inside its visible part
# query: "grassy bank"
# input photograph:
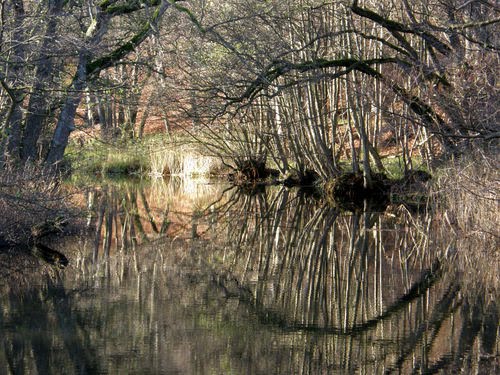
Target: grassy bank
(181, 155)
(100, 158)
(154, 156)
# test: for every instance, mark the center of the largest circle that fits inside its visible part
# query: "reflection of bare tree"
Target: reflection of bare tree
(47, 332)
(372, 281)
(120, 216)
(271, 283)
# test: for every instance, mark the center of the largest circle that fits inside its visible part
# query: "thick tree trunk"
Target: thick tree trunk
(14, 121)
(4, 140)
(66, 123)
(38, 103)
(37, 114)
(91, 67)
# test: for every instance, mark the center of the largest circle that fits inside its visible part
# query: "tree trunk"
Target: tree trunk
(15, 118)
(38, 103)
(66, 123)
(87, 66)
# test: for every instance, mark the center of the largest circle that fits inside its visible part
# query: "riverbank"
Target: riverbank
(31, 199)
(159, 156)
(154, 156)
(33, 204)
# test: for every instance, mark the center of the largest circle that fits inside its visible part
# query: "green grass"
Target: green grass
(153, 155)
(395, 167)
(124, 164)
(158, 155)
(98, 158)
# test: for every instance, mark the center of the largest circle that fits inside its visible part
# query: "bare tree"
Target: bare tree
(423, 70)
(75, 45)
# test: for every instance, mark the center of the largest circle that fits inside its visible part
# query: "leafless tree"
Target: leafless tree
(52, 52)
(338, 77)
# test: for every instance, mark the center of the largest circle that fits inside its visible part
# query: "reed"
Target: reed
(182, 160)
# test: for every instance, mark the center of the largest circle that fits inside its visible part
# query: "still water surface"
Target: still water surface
(193, 278)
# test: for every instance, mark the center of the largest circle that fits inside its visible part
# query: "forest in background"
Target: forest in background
(302, 83)
(309, 88)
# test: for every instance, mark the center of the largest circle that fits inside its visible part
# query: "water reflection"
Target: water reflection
(227, 281)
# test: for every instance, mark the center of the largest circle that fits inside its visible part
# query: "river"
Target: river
(187, 277)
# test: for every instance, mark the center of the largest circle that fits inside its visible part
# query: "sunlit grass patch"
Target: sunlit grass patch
(98, 158)
(395, 169)
(164, 162)
(181, 160)
(154, 155)
(125, 164)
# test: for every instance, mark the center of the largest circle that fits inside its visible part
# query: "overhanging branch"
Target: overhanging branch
(120, 52)
(281, 68)
(398, 27)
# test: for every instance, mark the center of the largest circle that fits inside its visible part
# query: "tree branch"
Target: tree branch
(120, 52)
(398, 27)
(111, 7)
(280, 68)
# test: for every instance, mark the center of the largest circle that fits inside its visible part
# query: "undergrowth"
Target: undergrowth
(30, 197)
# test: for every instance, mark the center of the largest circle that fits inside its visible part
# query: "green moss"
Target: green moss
(395, 166)
(125, 164)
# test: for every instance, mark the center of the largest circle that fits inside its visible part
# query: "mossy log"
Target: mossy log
(42, 251)
(416, 176)
(350, 187)
(347, 191)
(251, 170)
(308, 178)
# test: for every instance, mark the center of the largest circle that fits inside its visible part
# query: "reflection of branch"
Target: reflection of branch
(226, 206)
(81, 353)
(427, 280)
(441, 312)
(166, 222)
(471, 326)
(134, 211)
(443, 362)
(148, 210)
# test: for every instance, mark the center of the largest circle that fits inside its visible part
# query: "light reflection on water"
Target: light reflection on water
(221, 281)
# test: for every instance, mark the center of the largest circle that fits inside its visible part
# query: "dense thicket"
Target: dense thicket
(303, 83)
(311, 82)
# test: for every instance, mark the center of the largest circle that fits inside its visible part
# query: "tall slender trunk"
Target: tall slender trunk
(4, 126)
(358, 114)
